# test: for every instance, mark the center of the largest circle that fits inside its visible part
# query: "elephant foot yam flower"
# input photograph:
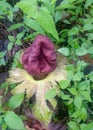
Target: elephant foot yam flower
(40, 58)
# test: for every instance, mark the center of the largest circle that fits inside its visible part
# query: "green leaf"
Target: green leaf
(20, 35)
(73, 31)
(73, 125)
(47, 23)
(15, 26)
(64, 51)
(63, 84)
(86, 95)
(2, 54)
(34, 25)
(14, 121)
(81, 51)
(88, 126)
(73, 91)
(78, 76)
(18, 42)
(88, 3)
(90, 50)
(10, 45)
(64, 96)
(2, 62)
(16, 100)
(83, 114)
(29, 7)
(90, 36)
(87, 27)
(84, 85)
(78, 101)
(91, 76)
(51, 93)
(11, 38)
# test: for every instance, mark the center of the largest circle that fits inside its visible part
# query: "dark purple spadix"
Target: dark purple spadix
(40, 58)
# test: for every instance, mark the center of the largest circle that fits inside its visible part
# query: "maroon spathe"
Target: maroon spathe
(40, 58)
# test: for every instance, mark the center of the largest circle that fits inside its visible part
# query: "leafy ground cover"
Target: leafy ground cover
(64, 98)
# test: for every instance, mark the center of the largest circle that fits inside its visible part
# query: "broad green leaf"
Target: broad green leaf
(4, 5)
(16, 100)
(64, 51)
(78, 101)
(51, 93)
(34, 25)
(64, 84)
(88, 126)
(29, 7)
(13, 121)
(47, 23)
(2, 54)
(73, 31)
(49, 5)
(81, 51)
(16, 26)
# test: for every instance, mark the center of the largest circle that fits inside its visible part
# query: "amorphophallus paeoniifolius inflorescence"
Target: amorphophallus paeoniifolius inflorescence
(42, 66)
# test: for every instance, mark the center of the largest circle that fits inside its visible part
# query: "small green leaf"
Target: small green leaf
(87, 27)
(20, 35)
(73, 125)
(14, 121)
(78, 101)
(51, 93)
(11, 38)
(16, 100)
(86, 95)
(78, 76)
(73, 31)
(2, 54)
(88, 126)
(18, 42)
(91, 76)
(2, 61)
(90, 50)
(88, 3)
(15, 26)
(73, 91)
(10, 45)
(83, 114)
(81, 51)
(64, 84)
(64, 51)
